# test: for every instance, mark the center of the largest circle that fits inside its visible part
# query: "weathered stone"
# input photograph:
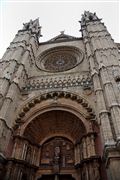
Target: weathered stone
(60, 105)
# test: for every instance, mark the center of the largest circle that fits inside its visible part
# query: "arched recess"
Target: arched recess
(55, 115)
(55, 123)
(60, 100)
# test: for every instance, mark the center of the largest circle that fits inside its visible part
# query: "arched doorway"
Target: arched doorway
(58, 140)
(57, 132)
(66, 145)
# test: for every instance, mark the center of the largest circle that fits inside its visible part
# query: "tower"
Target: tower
(59, 105)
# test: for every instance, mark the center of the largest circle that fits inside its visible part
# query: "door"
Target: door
(57, 177)
(47, 177)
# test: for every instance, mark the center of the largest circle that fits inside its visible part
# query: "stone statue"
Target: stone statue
(56, 160)
(57, 153)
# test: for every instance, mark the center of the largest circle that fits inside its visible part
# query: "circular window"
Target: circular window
(59, 59)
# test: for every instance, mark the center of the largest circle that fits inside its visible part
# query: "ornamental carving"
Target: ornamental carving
(51, 82)
(59, 59)
(58, 153)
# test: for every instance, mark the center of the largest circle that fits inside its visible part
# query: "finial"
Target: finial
(33, 26)
(62, 32)
(88, 16)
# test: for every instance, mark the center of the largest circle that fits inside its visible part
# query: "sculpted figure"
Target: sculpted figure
(57, 152)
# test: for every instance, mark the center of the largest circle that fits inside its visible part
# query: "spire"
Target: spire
(88, 16)
(33, 26)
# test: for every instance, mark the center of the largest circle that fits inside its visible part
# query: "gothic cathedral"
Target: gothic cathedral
(60, 105)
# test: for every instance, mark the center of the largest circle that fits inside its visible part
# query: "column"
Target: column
(111, 100)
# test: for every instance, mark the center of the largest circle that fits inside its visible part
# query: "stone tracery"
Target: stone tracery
(59, 59)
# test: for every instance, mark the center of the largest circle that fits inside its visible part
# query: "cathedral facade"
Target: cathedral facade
(60, 105)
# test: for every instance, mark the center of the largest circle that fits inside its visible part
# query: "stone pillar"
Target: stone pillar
(111, 100)
(24, 149)
(77, 154)
(37, 161)
(14, 148)
(113, 166)
(5, 78)
(92, 145)
(8, 69)
(8, 175)
(14, 65)
(17, 174)
(20, 148)
(84, 148)
(75, 151)
(13, 91)
(33, 156)
(4, 112)
(101, 111)
(88, 147)
(103, 56)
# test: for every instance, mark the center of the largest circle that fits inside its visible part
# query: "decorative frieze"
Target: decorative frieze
(58, 82)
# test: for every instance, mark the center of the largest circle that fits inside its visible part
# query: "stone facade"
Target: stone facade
(60, 105)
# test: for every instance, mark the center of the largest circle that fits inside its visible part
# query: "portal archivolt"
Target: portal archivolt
(57, 136)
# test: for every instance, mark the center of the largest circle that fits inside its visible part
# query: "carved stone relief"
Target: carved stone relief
(59, 82)
(57, 153)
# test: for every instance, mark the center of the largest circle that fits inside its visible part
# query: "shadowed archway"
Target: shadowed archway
(55, 123)
(58, 138)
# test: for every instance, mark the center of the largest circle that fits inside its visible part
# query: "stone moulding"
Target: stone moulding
(58, 82)
(51, 95)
